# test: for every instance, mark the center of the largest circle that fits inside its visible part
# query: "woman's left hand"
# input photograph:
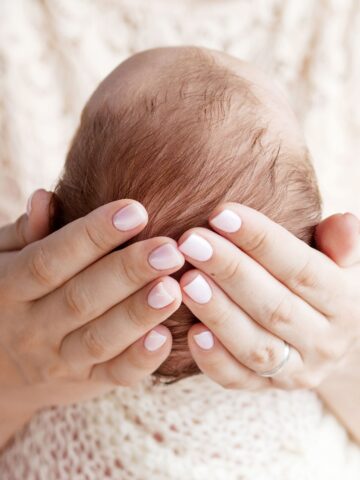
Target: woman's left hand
(256, 286)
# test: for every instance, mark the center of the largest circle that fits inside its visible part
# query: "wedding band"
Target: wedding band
(274, 371)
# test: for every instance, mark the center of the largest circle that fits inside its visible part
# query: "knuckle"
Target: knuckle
(96, 237)
(329, 351)
(264, 358)
(94, 342)
(231, 271)
(40, 267)
(135, 317)
(282, 313)
(219, 318)
(256, 245)
(77, 300)
(304, 278)
(129, 271)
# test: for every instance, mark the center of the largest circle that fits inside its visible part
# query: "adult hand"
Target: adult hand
(257, 286)
(76, 320)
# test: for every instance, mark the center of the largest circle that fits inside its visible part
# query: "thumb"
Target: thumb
(29, 227)
(338, 237)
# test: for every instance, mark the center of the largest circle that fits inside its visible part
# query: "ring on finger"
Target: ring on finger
(278, 368)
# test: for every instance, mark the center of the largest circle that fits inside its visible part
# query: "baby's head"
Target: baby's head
(181, 130)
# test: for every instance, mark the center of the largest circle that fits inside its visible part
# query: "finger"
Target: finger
(45, 265)
(113, 332)
(29, 227)
(252, 345)
(215, 361)
(39, 213)
(275, 307)
(106, 283)
(139, 360)
(338, 237)
(306, 271)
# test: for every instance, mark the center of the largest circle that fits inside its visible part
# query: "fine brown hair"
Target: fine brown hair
(195, 139)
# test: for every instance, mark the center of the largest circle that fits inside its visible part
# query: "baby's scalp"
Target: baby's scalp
(182, 129)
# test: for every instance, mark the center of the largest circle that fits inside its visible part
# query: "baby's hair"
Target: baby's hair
(196, 137)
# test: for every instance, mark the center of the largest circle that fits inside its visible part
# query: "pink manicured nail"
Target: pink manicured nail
(129, 217)
(164, 257)
(28, 204)
(159, 297)
(199, 290)
(205, 340)
(197, 248)
(227, 220)
(154, 340)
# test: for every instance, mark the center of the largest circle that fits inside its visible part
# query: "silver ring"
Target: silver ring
(274, 371)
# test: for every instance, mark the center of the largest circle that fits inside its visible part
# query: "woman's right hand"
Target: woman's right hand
(76, 320)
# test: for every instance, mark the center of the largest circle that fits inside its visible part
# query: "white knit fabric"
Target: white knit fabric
(190, 430)
(52, 55)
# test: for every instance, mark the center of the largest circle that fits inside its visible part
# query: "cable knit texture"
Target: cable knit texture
(52, 55)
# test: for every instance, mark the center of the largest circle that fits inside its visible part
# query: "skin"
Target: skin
(43, 375)
(84, 354)
(66, 363)
(300, 303)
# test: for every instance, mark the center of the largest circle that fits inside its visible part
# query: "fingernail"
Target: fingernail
(154, 340)
(164, 257)
(28, 204)
(204, 339)
(197, 248)
(129, 217)
(159, 297)
(199, 290)
(227, 220)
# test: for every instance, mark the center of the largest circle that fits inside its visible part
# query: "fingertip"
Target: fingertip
(203, 338)
(38, 213)
(196, 329)
(353, 223)
(343, 224)
(159, 339)
(197, 288)
(338, 237)
(164, 292)
(29, 203)
(226, 219)
(130, 215)
(141, 208)
(188, 276)
(173, 288)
